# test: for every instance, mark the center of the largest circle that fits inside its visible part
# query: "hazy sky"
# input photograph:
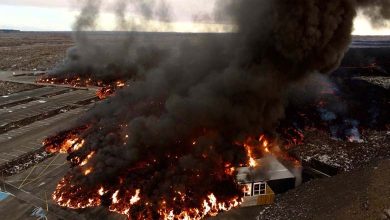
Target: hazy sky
(59, 15)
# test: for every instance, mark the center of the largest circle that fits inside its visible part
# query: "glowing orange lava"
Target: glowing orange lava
(126, 200)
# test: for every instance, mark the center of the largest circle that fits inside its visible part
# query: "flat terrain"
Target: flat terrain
(30, 112)
(10, 87)
(33, 51)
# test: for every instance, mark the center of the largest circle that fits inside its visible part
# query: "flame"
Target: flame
(78, 145)
(128, 200)
(256, 148)
(229, 169)
(87, 171)
(107, 88)
(120, 84)
(73, 81)
(65, 142)
(89, 156)
(74, 201)
(104, 92)
(70, 145)
(252, 162)
(101, 191)
(115, 197)
(210, 207)
(134, 199)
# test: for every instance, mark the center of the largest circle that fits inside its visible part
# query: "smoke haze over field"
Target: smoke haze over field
(197, 101)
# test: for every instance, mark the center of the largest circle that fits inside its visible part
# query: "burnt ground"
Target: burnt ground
(361, 188)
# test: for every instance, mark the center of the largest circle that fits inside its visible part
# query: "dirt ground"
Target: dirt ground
(32, 51)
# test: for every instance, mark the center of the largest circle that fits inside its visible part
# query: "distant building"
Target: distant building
(262, 182)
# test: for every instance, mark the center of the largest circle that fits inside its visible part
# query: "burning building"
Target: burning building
(263, 181)
(168, 146)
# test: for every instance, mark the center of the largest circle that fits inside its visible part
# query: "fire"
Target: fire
(87, 171)
(120, 84)
(210, 207)
(89, 156)
(65, 142)
(124, 200)
(101, 191)
(72, 144)
(229, 169)
(115, 197)
(252, 162)
(256, 148)
(78, 199)
(106, 88)
(72, 81)
(127, 196)
(134, 199)
(78, 144)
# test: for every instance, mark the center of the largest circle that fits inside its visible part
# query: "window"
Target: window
(259, 188)
(247, 190)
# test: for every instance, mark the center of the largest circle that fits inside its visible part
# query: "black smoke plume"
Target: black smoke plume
(176, 128)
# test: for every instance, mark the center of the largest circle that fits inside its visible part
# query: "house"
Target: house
(263, 181)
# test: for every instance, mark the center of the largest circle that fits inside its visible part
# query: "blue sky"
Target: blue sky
(59, 15)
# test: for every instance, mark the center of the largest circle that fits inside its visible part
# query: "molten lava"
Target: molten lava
(128, 196)
(73, 81)
(65, 142)
(106, 88)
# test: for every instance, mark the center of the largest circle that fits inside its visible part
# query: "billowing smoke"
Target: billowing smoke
(102, 56)
(178, 127)
(377, 10)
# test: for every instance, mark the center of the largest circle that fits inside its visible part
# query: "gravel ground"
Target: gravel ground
(344, 155)
(361, 194)
(7, 88)
(382, 81)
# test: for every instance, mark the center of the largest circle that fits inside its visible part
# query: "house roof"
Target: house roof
(269, 168)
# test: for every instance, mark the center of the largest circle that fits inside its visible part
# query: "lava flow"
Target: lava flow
(73, 81)
(106, 88)
(130, 194)
(106, 91)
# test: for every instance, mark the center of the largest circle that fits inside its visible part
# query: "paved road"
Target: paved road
(27, 106)
(44, 105)
(32, 188)
(18, 142)
(25, 96)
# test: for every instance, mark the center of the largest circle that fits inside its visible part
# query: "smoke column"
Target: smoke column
(176, 127)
